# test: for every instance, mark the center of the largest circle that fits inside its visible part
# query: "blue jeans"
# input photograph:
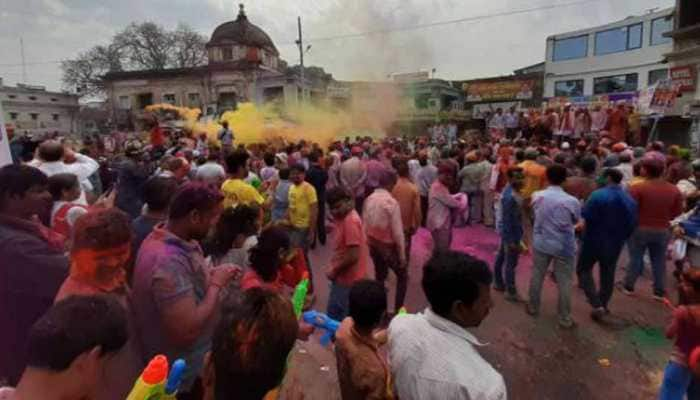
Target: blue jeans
(679, 381)
(510, 257)
(656, 241)
(338, 302)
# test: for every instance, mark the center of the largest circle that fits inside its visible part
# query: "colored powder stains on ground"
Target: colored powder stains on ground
(648, 338)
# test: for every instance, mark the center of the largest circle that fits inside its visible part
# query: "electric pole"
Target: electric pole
(300, 42)
(24, 64)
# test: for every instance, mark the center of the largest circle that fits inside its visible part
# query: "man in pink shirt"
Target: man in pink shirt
(384, 228)
(350, 255)
(440, 206)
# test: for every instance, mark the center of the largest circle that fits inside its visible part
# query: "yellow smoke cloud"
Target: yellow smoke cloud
(266, 123)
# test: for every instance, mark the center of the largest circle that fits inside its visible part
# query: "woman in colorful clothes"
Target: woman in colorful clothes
(680, 378)
(99, 256)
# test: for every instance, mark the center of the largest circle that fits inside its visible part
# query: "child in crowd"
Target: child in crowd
(679, 378)
(274, 263)
(362, 371)
(235, 234)
(65, 190)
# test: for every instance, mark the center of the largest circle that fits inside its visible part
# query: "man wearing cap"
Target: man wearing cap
(353, 175)
(658, 202)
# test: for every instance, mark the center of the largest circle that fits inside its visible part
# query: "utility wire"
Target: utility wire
(398, 29)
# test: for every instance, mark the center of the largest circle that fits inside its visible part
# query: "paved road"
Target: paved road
(622, 360)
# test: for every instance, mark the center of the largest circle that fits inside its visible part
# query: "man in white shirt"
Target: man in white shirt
(511, 123)
(432, 355)
(51, 161)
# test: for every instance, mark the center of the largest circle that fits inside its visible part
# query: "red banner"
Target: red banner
(684, 77)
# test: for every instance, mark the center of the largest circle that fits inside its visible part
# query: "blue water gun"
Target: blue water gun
(322, 321)
(174, 379)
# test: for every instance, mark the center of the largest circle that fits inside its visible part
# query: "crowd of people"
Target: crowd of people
(621, 122)
(194, 251)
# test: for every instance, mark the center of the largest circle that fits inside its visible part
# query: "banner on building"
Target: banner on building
(658, 98)
(506, 90)
(419, 76)
(480, 111)
(5, 155)
(603, 100)
(684, 77)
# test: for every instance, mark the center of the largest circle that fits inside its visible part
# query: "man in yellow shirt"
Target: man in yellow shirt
(302, 212)
(236, 190)
(535, 178)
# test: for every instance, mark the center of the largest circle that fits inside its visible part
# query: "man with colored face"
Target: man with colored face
(175, 293)
(33, 265)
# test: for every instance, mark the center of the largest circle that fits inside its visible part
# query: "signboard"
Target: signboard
(419, 76)
(603, 100)
(5, 155)
(338, 92)
(658, 98)
(499, 90)
(684, 77)
(479, 111)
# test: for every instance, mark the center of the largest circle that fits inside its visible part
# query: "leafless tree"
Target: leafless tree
(139, 46)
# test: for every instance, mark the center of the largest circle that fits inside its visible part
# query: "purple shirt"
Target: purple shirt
(168, 269)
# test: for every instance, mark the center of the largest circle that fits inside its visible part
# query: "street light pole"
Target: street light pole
(300, 42)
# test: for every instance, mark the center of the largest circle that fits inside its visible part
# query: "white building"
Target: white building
(616, 59)
(36, 111)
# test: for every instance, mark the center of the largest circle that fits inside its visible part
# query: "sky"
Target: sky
(489, 43)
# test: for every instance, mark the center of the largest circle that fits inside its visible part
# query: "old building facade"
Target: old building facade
(243, 66)
(35, 111)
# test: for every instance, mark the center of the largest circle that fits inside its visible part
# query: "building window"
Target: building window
(55, 117)
(618, 39)
(169, 98)
(570, 49)
(34, 116)
(615, 84)
(32, 98)
(573, 88)
(660, 26)
(657, 75)
(227, 53)
(13, 116)
(124, 102)
(193, 99)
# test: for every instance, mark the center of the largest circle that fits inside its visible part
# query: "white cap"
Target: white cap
(565, 146)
